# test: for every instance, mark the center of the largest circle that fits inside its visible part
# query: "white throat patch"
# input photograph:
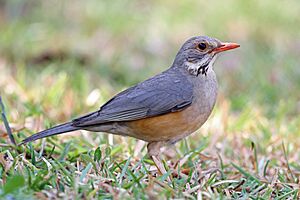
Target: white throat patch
(202, 67)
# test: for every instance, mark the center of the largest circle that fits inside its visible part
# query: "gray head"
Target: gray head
(198, 54)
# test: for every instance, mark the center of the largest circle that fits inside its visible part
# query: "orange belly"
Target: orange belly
(169, 127)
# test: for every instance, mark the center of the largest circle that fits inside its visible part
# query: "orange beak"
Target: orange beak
(226, 46)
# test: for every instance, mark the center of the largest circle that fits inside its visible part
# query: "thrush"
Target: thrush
(163, 109)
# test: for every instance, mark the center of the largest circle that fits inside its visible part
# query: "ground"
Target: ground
(61, 59)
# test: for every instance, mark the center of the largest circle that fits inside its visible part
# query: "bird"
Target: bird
(162, 109)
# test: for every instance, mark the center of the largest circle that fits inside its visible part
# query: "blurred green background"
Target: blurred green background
(110, 45)
(62, 58)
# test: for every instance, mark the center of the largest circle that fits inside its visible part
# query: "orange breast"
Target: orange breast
(170, 127)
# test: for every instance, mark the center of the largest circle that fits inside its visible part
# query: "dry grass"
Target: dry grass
(235, 155)
(56, 64)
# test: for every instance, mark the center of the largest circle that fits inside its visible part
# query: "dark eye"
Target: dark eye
(202, 46)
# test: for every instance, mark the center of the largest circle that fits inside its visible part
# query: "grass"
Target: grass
(56, 64)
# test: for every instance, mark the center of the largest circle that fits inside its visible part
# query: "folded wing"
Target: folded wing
(162, 94)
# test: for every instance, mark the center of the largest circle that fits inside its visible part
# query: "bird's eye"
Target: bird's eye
(202, 46)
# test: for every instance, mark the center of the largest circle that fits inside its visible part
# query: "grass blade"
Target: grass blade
(246, 174)
(85, 171)
(6, 124)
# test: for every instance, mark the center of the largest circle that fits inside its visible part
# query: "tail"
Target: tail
(63, 128)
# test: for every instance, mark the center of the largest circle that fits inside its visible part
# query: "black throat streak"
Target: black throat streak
(203, 70)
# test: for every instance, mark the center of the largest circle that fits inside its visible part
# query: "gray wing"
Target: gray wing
(164, 93)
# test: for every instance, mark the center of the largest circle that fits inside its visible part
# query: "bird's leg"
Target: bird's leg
(153, 152)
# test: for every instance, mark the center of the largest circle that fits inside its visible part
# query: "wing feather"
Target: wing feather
(156, 96)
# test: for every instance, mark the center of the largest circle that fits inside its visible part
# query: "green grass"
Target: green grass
(56, 64)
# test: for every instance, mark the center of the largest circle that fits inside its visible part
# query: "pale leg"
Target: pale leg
(153, 152)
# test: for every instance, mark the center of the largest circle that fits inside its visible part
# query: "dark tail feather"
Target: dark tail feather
(63, 128)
